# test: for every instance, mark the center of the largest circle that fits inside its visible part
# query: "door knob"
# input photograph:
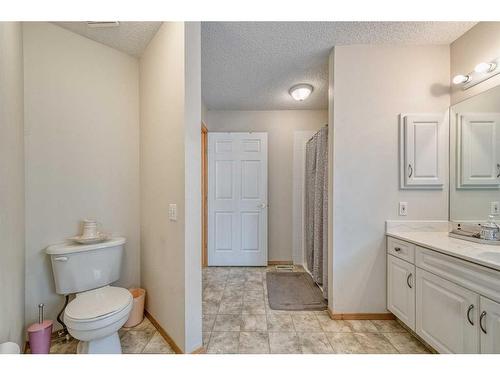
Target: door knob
(263, 205)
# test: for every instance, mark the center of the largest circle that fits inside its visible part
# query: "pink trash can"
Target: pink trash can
(137, 313)
(40, 334)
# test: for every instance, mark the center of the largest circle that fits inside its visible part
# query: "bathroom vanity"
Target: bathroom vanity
(446, 290)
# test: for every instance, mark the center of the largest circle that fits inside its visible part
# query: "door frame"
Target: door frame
(204, 195)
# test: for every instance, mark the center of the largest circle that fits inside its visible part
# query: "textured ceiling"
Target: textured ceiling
(128, 37)
(251, 65)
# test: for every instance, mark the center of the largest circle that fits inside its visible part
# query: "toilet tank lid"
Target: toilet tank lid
(71, 247)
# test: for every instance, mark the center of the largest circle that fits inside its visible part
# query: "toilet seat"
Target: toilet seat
(98, 303)
(98, 313)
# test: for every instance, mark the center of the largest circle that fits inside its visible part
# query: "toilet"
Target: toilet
(98, 310)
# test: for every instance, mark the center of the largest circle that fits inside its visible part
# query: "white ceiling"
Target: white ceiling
(251, 65)
(128, 37)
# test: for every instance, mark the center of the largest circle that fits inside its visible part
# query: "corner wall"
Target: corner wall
(11, 184)
(372, 86)
(82, 151)
(170, 171)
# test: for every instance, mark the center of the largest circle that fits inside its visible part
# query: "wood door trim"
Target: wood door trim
(204, 195)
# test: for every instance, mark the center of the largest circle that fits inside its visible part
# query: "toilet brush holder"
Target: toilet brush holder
(40, 334)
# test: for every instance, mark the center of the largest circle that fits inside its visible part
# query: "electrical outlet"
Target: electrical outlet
(403, 208)
(172, 212)
(495, 208)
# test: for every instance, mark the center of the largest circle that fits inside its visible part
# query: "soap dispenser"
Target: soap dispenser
(490, 231)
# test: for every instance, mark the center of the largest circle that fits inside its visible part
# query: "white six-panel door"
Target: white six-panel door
(237, 199)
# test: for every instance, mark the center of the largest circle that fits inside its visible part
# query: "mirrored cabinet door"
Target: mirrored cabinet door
(477, 146)
(475, 158)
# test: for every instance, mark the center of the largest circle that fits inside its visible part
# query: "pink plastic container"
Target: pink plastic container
(40, 334)
(137, 313)
(39, 337)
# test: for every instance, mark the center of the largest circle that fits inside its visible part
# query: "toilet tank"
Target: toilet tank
(78, 268)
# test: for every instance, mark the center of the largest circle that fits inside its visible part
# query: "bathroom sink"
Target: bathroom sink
(491, 256)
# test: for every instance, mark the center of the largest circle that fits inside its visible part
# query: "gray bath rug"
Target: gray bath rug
(294, 291)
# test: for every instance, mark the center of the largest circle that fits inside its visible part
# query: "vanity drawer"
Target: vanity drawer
(482, 280)
(401, 249)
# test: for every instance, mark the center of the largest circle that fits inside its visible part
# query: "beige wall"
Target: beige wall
(479, 44)
(280, 126)
(11, 184)
(168, 118)
(372, 85)
(82, 151)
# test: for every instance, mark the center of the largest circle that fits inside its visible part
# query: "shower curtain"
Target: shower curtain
(316, 208)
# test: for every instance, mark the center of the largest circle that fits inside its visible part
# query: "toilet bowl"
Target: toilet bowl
(94, 317)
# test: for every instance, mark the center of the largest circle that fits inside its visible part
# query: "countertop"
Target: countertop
(482, 254)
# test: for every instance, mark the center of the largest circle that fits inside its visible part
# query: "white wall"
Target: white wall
(372, 86)
(192, 178)
(280, 126)
(479, 44)
(204, 113)
(170, 172)
(82, 150)
(11, 184)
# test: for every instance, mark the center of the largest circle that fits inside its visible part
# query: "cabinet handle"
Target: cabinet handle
(498, 170)
(483, 315)
(468, 315)
(398, 249)
(408, 280)
(410, 170)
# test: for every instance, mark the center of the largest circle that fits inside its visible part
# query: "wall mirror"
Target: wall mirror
(475, 157)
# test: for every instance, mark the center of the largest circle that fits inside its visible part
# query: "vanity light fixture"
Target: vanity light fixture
(460, 78)
(485, 67)
(481, 72)
(301, 91)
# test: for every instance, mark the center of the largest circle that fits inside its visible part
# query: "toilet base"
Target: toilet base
(107, 345)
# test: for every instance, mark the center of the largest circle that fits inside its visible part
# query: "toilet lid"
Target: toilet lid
(98, 302)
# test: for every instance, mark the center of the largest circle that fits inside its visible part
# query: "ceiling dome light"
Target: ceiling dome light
(485, 67)
(460, 78)
(301, 91)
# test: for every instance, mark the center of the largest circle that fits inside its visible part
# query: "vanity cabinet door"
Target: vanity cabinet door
(421, 162)
(489, 324)
(401, 290)
(447, 315)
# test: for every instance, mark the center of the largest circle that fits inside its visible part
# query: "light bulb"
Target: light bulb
(485, 67)
(460, 78)
(301, 92)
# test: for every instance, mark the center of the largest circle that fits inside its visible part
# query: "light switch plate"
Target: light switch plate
(495, 208)
(403, 208)
(172, 212)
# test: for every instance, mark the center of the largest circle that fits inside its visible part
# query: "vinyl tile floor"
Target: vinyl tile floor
(141, 339)
(237, 319)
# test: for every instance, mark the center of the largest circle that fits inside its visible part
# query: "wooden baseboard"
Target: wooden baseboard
(163, 333)
(279, 262)
(200, 350)
(361, 316)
